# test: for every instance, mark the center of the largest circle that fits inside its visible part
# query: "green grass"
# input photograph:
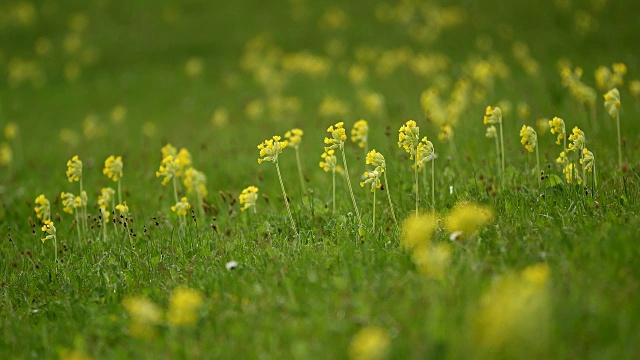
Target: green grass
(307, 297)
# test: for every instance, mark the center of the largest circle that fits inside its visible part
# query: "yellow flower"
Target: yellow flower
(634, 88)
(329, 160)
(48, 229)
(446, 132)
(370, 343)
(432, 260)
(577, 140)
(195, 182)
(491, 132)
(569, 174)
(113, 167)
(194, 67)
(562, 158)
(70, 202)
(271, 148)
(557, 127)
(543, 125)
(465, 219)
(118, 114)
(513, 317)
(183, 160)
(373, 178)
(360, 133)
(612, 102)
(426, 152)
(6, 154)
(294, 137)
(144, 314)
(493, 115)
(418, 230)
(409, 137)
(248, 197)
(104, 200)
(376, 159)
(10, 131)
(183, 307)
(43, 208)
(338, 136)
(587, 160)
(168, 169)
(181, 207)
(123, 209)
(529, 138)
(524, 110)
(169, 150)
(74, 169)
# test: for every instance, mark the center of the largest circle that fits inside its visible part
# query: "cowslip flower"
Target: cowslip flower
(557, 127)
(377, 159)
(70, 202)
(360, 134)
(329, 164)
(612, 104)
(577, 140)
(123, 209)
(465, 220)
(432, 260)
(105, 199)
(418, 230)
(181, 207)
(168, 169)
(113, 167)
(409, 138)
(425, 154)
(183, 307)
(42, 208)
(169, 150)
(587, 160)
(183, 160)
(372, 178)
(248, 198)
(529, 138)
(49, 229)
(196, 182)
(446, 132)
(74, 169)
(145, 316)
(294, 137)
(492, 116)
(370, 343)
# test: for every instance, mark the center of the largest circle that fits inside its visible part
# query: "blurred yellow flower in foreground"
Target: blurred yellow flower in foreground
(144, 314)
(183, 307)
(418, 230)
(370, 343)
(465, 219)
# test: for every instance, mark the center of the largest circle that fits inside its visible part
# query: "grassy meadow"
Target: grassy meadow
(169, 236)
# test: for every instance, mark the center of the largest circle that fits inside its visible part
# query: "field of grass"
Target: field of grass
(517, 262)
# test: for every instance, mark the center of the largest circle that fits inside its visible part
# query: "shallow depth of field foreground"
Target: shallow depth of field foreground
(298, 179)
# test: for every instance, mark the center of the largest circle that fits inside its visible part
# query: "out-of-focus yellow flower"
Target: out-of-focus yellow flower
(42, 208)
(104, 200)
(543, 125)
(418, 230)
(493, 115)
(432, 260)
(357, 74)
(183, 160)
(248, 198)
(113, 167)
(196, 182)
(70, 137)
(373, 102)
(74, 169)
(409, 137)
(6, 154)
(329, 160)
(271, 148)
(446, 132)
(144, 314)
(181, 207)
(513, 318)
(612, 102)
(491, 132)
(523, 110)
(169, 150)
(184, 305)
(149, 129)
(634, 88)
(254, 109)
(333, 107)
(528, 138)
(294, 137)
(10, 130)
(118, 114)
(333, 19)
(123, 209)
(168, 169)
(220, 117)
(465, 220)
(360, 133)
(194, 67)
(49, 229)
(370, 343)
(338, 136)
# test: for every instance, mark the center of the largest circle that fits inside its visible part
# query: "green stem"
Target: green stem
(286, 201)
(175, 189)
(415, 173)
(78, 226)
(353, 199)
(84, 210)
(538, 174)
(386, 185)
(433, 183)
(119, 192)
(502, 152)
(374, 211)
(497, 155)
(619, 142)
(55, 248)
(334, 192)
(300, 171)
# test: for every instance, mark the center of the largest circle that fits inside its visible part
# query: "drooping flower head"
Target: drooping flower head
(360, 133)
(70, 202)
(181, 207)
(446, 132)
(376, 159)
(294, 137)
(409, 137)
(270, 149)
(329, 160)
(528, 138)
(168, 169)
(612, 102)
(196, 182)
(113, 167)
(491, 132)
(426, 152)
(123, 209)
(577, 140)
(338, 136)
(373, 178)
(48, 229)
(169, 150)
(183, 160)
(493, 115)
(74, 169)
(42, 208)
(104, 200)
(248, 197)
(587, 160)
(557, 127)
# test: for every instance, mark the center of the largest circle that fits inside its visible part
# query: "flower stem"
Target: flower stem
(386, 186)
(497, 154)
(374, 211)
(433, 183)
(353, 199)
(415, 173)
(334, 193)
(300, 171)
(502, 152)
(119, 192)
(619, 142)
(175, 188)
(538, 174)
(286, 200)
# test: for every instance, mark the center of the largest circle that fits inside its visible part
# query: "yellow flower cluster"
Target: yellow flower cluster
(608, 78)
(196, 182)
(338, 136)
(492, 132)
(70, 202)
(329, 160)
(183, 307)
(181, 207)
(577, 140)
(580, 92)
(271, 148)
(370, 343)
(168, 169)
(557, 127)
(426, 152)
(360, 133)
(492, 115)
(587, 160)
(123, 209)
(465, 220)
(74, 169)
(409, 137)
(113, 167)
(48, 229)
(373, 178)
(144, 314)
(104, 200)
(294, 137)
(528, 138)
(612, 102)
(376, 159)
(248, 198)
(446, 132)
(42, 208)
